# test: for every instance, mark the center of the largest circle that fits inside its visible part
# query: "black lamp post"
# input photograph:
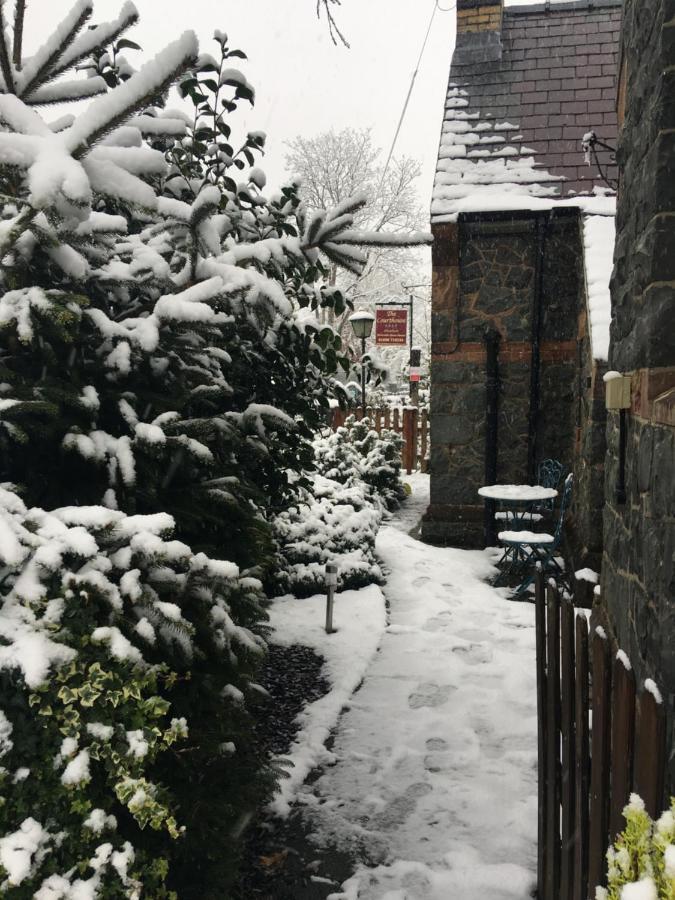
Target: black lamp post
(362, 324)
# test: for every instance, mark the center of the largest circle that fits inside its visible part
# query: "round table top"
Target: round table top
(517, 493)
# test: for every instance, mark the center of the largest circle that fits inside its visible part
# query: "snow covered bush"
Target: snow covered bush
(641, 864)
(330, 522)
(93, 641)
(337, 517)
(357, 453)
(158, 357)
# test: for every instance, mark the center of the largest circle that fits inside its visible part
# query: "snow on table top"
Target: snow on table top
(599, 238)
(520, 493)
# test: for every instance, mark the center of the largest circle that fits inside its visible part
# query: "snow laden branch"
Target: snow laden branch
(64, 170)
(333, 233)
(34, 79)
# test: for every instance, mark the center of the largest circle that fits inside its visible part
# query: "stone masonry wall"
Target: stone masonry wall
(484, 277)
(638, 576)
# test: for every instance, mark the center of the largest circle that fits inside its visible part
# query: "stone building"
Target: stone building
(638, 572)
(522, 257)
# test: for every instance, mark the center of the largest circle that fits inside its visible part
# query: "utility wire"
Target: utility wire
(437, 8)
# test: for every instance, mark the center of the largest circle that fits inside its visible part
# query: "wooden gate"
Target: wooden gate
(587, 772)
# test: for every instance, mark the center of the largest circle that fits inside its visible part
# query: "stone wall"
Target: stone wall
(485, 273)
(638, 575)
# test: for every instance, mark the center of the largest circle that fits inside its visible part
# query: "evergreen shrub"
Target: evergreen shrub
(641, 864)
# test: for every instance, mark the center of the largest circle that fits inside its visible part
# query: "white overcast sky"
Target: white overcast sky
(303, 83)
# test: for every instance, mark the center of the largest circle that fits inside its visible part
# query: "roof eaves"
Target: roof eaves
(561, 6)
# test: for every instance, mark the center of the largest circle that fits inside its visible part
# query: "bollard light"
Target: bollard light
(331, 585)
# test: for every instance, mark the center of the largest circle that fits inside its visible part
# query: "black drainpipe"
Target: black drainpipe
(621, 477)
(533, 418)
(491, 339)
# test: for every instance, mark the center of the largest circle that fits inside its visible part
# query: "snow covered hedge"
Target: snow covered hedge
(96, 629)
(338, 516)
(356, 453)
(334, 523)
(155, 376)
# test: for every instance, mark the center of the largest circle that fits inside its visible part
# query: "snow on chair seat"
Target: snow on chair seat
(525, 537)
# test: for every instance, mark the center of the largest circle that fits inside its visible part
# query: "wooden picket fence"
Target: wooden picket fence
(409, 422)
(587, 770)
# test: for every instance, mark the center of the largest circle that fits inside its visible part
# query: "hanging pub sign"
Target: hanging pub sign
(391, 327)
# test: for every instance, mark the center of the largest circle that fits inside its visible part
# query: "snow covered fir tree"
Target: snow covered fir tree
(162, 375)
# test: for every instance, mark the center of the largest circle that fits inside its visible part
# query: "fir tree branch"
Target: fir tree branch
(66, 91)
(47, 56)
(113, 109)
(5, 64)
(96, 39)
(21, 223)
(19, 13)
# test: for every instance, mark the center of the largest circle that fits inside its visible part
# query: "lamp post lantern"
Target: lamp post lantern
(362, 325)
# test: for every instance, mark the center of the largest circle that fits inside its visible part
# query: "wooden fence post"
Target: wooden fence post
(552, 742)
(568, 770)
(337, 418)
(425, 440)
(623, 738)
(397, 417)
(582, 778)
(377, 415)
(387, 417)
(600, 746)
(650, 754)
(540, 630)
(409, 438)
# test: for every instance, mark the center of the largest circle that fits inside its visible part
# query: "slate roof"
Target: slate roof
(516, 110)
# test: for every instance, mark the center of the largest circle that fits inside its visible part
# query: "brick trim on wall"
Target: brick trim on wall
(653, 395)
(509, 351)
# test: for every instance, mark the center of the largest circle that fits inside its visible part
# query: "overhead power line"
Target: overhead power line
(437, 8)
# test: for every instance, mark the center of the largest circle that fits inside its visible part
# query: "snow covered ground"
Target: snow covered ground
(431, 781)
(360, 619)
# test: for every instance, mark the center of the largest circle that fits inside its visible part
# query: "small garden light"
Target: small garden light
(362, 325)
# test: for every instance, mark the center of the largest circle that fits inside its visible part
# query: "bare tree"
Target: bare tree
(335, 34)
(336, 165)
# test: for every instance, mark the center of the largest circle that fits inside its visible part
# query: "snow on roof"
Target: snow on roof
(481, 164)
(599, 237)
(516, 110)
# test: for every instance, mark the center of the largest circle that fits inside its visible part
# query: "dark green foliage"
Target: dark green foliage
(356, 452)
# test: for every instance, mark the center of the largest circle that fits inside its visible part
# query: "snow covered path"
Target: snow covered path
(434, 787)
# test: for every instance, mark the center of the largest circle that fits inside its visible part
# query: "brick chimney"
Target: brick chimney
(479, 28)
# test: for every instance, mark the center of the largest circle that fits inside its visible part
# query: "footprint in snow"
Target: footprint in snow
(474, 634)
(474, 654)
(438, 622)
(421, 581)
(436, 762)
(436, 744)
(400, 808)
(430, 694)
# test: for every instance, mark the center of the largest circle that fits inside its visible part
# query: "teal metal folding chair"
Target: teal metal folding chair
(549, 473)
(524, 549)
